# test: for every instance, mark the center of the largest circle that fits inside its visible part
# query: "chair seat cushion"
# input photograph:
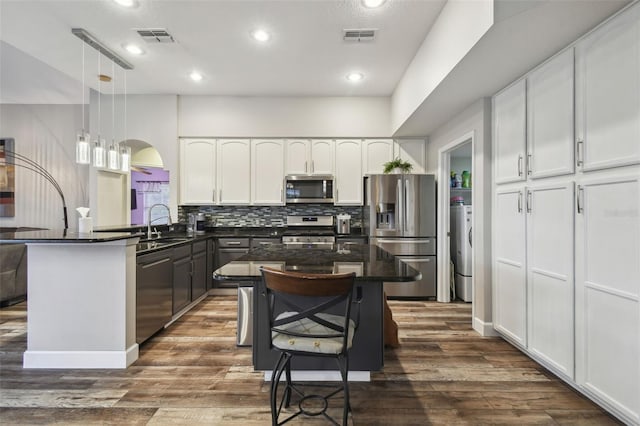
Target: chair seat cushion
(328, 345)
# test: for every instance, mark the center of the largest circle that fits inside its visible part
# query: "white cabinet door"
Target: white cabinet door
(550, 118)
(509, 133)
(509, 266)
(608, 292)
(550, 283)
(297, 152)
(322, 153)
(376, 152)
(414, 151)
(608, 94)
(267, 177)
(234, 171)
(197, 171)
(348, 181)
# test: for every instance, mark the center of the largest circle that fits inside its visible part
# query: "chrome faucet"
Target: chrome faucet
(149, 221)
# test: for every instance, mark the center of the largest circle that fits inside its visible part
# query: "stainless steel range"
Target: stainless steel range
(309, 231)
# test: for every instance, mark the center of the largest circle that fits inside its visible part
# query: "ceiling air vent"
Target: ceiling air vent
(155, 35)
(359, 35)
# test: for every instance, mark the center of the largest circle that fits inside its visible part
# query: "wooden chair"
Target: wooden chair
(309, 316)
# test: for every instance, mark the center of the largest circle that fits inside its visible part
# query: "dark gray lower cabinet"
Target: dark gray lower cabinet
(182, 269)
(199, 277)
(153, 293)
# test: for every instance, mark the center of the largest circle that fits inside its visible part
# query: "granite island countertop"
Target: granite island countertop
(63, 236)
(370, 263)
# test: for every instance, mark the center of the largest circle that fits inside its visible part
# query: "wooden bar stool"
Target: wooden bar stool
(309, 316)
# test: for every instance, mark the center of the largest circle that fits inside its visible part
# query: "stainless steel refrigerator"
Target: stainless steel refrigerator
(400, 217)
(461, 243)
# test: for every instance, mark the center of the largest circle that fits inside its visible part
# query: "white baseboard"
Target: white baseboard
(485, 329)
(322, 376)
(80, 359)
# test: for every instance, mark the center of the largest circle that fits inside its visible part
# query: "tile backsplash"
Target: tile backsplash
(266, 216)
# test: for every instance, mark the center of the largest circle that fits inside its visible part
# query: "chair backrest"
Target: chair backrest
(307, 296)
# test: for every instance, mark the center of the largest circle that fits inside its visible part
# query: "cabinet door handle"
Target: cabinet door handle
(214, 196)
(579, 152)
(519, 201)
(529, 201)
(233, 243)
(529, 156)
(579, 200)
(305, 167)
(281, 195)
(519, 165)
(313, 168)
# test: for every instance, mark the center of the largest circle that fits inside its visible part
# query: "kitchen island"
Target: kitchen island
(372, 266)
(81, 298)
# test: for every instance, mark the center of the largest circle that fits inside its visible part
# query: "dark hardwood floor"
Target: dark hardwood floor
(193, 373)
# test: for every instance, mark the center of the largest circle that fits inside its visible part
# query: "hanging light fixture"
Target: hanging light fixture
(99, 152)
(83, 149)
(113, 156)
(125, 151)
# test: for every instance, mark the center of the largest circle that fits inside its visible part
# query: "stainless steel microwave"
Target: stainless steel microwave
(309, 189)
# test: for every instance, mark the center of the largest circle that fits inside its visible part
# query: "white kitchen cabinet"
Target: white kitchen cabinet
(608, 94)
(309, 157)
(509, 265)
(509, 133)
(267, 172)
(414, 151)
(376, 152)
(550, 281)
(550, 118)
(348, 180)
(234, 171)
(197, 171)
(608, 291)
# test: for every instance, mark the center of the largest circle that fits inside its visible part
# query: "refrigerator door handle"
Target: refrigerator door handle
(406, 229)
(400, 206)
(470, 243)
(378, 240)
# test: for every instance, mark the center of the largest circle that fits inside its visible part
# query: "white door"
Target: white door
(376, 152)
(509, 133)
(509, 266)
(197, 171)
(267, 174)
(608, 291)
(348, 181)
(550, 118)
(414, 151)
(608, 94)
(322, 153)
(550, 283)
(297, 153)
(234, 171)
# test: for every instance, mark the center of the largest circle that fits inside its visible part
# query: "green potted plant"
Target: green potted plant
(397, 166)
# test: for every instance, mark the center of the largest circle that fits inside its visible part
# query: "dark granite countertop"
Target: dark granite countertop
(370, 263)
(62, 236)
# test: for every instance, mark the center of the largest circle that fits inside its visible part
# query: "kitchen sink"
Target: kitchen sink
(157, 243)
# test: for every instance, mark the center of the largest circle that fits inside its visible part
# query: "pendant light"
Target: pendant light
(99, 152)
(125, 151)
(113, 156)
(83, 149)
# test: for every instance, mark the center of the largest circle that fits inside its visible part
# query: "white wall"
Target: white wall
(227, 116)
(459, 27)
(476, 118)
(45, 134)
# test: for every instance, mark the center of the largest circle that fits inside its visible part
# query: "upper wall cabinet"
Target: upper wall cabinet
(550, 118)
(309, 157)
(414, 151)
(197, 171)
(608, 94)
(376, 152)
(509, 133)
(234, 171)
(348, 183)
(267, 167)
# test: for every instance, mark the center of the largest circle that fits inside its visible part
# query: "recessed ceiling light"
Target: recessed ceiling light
(126, 3)
(355, 76)
(261, 35)
(195, 76)
(133, 49)
(371, 4)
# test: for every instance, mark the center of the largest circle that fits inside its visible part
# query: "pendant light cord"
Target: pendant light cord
(113, 105)
(99, 100)
(83, 89)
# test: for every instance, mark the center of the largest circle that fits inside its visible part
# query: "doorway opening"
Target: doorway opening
(456, 220)
(149, 182)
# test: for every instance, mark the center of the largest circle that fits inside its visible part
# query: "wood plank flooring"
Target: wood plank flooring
(193, 373)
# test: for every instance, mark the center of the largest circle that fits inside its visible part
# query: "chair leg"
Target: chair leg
(287, 392)
(275, 381)
(343, 364)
